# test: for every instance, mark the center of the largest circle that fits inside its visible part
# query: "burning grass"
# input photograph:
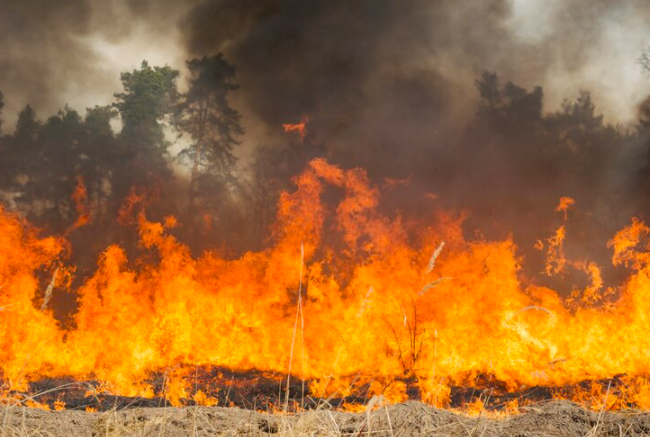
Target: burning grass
(347, 305)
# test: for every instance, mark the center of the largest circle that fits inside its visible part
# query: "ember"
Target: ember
(299, 128)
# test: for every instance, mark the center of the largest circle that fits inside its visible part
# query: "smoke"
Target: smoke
(389, 69)
(53, 53)
(385, 73)
(324, 55)
(390, 86)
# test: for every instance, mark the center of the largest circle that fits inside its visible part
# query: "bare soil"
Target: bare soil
(555, 418)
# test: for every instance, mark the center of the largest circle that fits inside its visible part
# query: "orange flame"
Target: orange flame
(80, 199)
(376, 307)
(565, 204)
(300, 128)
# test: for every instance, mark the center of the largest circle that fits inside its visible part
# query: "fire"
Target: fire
(300, 128)
(565, 204)
(80, 199)
(374, 305)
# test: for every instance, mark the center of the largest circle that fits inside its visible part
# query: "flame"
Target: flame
(80, 199)
(300, 128)
(565, 204)
(372, 306)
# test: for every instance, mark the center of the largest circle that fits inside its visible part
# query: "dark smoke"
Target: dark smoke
(385, 77)
(389, 86)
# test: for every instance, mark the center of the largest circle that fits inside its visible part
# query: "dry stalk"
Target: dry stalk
(365, 303)
(536, 308)
(299, 316)
(430, 285)
(49, 289)
(594, 431)
(390, 425)
(434, 257)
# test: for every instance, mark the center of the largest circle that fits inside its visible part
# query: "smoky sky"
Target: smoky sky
(360, 62)
(391, 79)
(377, 77)
(71, 52)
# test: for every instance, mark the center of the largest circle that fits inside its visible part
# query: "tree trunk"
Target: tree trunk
(193, 177)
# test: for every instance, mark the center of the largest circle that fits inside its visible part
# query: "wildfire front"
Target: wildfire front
(333, 219)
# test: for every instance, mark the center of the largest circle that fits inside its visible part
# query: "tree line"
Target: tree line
(509, 165)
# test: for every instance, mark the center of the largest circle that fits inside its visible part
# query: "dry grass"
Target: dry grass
(411, 419)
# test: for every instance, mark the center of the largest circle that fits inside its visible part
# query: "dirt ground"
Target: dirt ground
(556, 418)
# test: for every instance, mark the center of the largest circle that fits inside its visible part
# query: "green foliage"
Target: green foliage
(213, 126)
(510, 104)
(206, 116)
(20, 148)
(27, 126)
(149, 96)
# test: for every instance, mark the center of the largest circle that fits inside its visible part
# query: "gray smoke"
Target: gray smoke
(359, 63)
(53, 53)
(378, 74)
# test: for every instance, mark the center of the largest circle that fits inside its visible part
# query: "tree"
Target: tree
(149, 96)
(2, 105)
(213, 126)
(20, 150)
(644, 60)
(644, 107)
(5, 170)
(100, 153)
(510, 106)
(53, 177)
(43, 160)
(27, 126)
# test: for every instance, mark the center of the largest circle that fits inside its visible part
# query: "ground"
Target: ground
(556, 418)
